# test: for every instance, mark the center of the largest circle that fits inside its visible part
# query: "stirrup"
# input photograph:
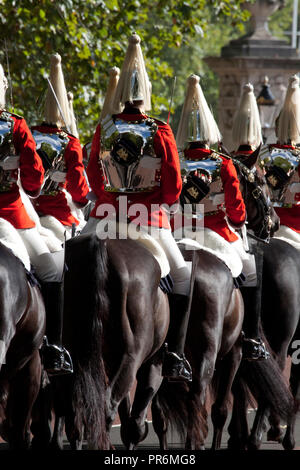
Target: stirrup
(176, 367)
(56, 359)
(254, 350)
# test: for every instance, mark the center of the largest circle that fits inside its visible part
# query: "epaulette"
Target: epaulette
(223, 154)
(159, 121)
(8, 113)
(71, 135)
(16, 115)
(63, 133)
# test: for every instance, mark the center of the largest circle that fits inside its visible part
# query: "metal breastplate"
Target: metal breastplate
(127, 155)
(209, 169)
(9, 161)
(51, 149)
(281, 166)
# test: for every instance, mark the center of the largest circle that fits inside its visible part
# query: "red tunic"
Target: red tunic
(170, 183)
(75, 183)
(289, 216)
(31, 176)
(234, 204)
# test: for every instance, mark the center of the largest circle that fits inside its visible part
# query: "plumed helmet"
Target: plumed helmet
(197, 123)
(73, 126)
(134, 83)
(53, 115)
(246, 129)
(288, 122)
(3, 87)
(114, 75)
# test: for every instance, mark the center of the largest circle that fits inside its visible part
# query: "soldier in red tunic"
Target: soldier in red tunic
(137, 155)
(247, 139)
(210, 178)
(281, 163)
(18, 157)
(61, 154)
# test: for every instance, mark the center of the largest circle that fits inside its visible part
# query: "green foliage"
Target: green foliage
(281, 21)
(91, 36)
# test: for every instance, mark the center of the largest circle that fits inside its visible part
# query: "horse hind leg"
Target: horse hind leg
(41, 416)
(57, 438)
(238, 426)
(225, 375)
(288, 441)
(73, 433)
(160, 423)
(148, 381)
(24, 389)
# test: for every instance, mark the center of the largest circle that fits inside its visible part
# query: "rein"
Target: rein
(263, 217)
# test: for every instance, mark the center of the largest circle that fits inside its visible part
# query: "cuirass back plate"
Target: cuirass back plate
(281, 166)
(6, 136)
(209, 169)
(51, 149)
(127, 155)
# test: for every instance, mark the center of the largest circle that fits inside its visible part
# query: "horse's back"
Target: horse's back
(281, 291)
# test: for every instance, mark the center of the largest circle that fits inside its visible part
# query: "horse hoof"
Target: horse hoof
(288, 444)
(274, 435)
(253, 445)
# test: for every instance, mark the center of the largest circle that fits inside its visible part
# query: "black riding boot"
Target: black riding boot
(56, 358)
(175, 365)
(253, 347)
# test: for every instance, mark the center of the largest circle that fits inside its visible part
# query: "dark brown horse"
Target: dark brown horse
(280, 316)
(214, 340)
(22, 325)
(213, 343)
(115, 322)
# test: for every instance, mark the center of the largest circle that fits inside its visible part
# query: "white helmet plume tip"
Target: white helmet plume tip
(55, 59)
(52, 111)
(114, 71)
(134, 39)
(246, 129)
(196, 122)
(114, 74)
(248, 88)
(134, 84)
(193, 80)
(3, 87)
(288, 127)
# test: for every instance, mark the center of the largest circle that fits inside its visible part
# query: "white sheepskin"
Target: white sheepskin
(76, 212)
(50, 238)
(288, 235)
(215, 244)
(11, 239)
(148, 242)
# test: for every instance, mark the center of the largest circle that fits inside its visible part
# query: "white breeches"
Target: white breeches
(249, 265)
(179, 269)
(48, 266)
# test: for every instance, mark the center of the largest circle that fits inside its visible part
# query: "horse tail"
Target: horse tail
(267, 384)
(87, 261)
(171, 400)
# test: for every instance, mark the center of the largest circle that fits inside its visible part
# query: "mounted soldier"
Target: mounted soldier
(136, 155)
(19, 159)
(247, 140)
(281, 164)
(210, 178)
(65, 186)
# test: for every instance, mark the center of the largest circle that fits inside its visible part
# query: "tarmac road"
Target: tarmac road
(151, 442)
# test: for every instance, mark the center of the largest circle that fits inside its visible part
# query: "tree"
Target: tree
(91, 36)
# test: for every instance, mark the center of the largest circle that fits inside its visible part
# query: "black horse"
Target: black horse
(280, 315)
(115, 321)
(214, 342)
(22, 326)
